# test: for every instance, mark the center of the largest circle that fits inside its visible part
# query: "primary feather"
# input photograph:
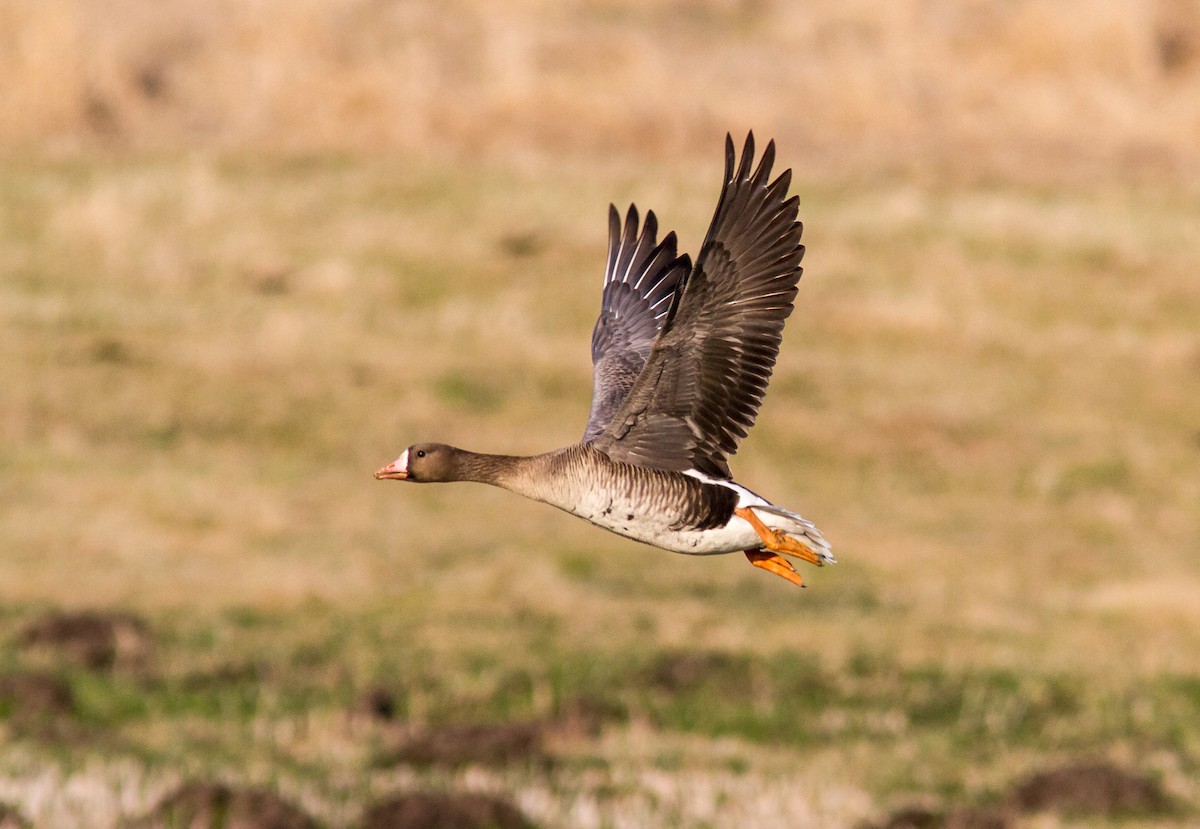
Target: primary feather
(639, 285)
(701, 386)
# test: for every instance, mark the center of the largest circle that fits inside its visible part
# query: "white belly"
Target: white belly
(631, 520)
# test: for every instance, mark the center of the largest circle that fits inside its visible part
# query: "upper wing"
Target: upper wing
(706, 376)
(639, 284)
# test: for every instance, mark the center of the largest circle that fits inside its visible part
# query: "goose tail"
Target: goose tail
(797, 527)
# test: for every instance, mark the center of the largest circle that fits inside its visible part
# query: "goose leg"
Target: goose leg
(776, 564)
(777, 541)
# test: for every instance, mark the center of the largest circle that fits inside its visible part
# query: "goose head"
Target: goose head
(422, 463)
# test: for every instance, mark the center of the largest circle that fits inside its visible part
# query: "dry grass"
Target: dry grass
(1032, 89)
(243, 265)
(987, 399)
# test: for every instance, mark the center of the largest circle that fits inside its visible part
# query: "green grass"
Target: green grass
(275, 695)
(987, 400)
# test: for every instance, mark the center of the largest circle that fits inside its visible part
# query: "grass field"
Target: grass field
(988, 399)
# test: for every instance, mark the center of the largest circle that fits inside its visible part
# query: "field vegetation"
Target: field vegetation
(248, 253)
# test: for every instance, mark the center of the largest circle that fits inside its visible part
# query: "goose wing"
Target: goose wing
(703, 383)
(639, 283)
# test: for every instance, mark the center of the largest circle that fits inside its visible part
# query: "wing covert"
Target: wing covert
(702, 385)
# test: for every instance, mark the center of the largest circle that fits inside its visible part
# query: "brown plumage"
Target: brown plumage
(681, 360)
(705, 379)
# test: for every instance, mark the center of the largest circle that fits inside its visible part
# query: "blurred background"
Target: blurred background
(1028, 91)
(249, 252)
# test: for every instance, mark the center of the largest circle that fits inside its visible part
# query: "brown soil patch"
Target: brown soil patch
(377, 702)
(493, 745)
(528, 741)
(213, 806)
(27, 696)
(424, 810)
(921, 818)
(1091, 789)
(10, 818)
(94, 639)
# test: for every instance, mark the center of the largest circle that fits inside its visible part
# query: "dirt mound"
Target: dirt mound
(10, 818)
(423, 810)
(94, 639)
(39, 706)
(26, 696)
(493, 745)
(199, 805)
(921, 818)
(1090, 789)
(376, 702)
(1086, 789)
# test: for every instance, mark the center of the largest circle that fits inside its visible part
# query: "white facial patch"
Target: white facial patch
(401, 462)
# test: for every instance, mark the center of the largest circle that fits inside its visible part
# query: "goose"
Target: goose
(681, 355)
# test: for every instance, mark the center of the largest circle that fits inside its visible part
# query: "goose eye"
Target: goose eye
(420, 453)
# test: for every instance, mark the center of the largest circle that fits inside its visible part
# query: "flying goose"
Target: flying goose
(681, 359)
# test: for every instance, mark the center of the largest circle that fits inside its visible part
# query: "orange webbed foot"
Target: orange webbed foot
(776, 564)
(778, 541)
